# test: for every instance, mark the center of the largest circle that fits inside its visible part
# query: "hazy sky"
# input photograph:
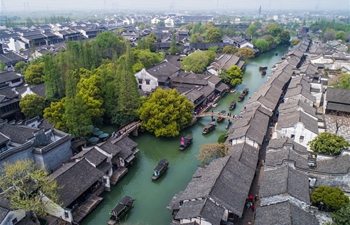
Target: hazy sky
(166, 5)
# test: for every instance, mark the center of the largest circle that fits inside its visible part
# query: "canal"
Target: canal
(152, 197)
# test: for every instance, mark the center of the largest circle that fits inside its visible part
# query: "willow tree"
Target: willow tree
(165, 112)
(26, 185)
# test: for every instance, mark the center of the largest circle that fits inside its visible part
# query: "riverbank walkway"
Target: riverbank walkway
(124, 131)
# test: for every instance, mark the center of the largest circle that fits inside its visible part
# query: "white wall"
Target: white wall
(142, 76)
(200, 221)
(56, 210)
(17, 214)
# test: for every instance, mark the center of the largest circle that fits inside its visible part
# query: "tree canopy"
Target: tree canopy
(21, 67)
(195, 62)
(233, 75)
(213, 35)
(35, 74)
(342, 216)
(25, 185)
(261, 44)
(210, 151)
(229, 49)
(342, 82)
(328, 143)
(173, 46)
(32, 105)
(333, 197)
(245, 53)
(165, 112)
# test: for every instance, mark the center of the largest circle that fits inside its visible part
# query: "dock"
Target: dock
(118, 174)
(83, 210)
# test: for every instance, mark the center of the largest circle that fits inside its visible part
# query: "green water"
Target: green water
(152, 197)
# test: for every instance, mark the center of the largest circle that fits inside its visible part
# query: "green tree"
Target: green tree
(274, 29)
(295, 42)
(35, 74)
(55, 114)
(195, 62)
(53, 80)
(20, 67)
(108, 44)
(251, 30)
(146, 58)
(233, 75)
(32, 105)
(2, 65)
(222, 138)
(261, 44)
(196, 37)
(165, 112)
(211, 56)
(27, 185)
(328, 143)
(213, 35)
(245, 53)
(284, 37)
(229, 50)
(342, 82)
(333, 197)
(173, 46)
(210, 151)
(342, 216)
(340, 35)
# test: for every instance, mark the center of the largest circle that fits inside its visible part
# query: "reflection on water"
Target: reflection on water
(152, 197)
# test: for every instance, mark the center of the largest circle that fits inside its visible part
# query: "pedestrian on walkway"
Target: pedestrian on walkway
(247, 205)
(253, 208)
(256, 197)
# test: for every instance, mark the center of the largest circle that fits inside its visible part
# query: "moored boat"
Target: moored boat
(233, 105)
(245, 91)
(262, 67)
(160, 169)
(241, 97)
(209, 128)
(185, 142)
(232, 90)
(263, 72)
(120, 210)
(220, 118)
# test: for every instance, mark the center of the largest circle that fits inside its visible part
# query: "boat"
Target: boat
(209, 128)
(263, 72)
(185, 142)
(220, 118)
(120, 210)
(233, 105)
(160, 169)
(241, 97)
(232, 90)
(245, 91)
(276, 53)
(262, 67)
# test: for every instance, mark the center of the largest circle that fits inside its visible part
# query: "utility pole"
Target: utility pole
(259, 12)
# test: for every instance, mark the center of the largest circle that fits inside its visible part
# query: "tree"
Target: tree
(328, 143)
(2, 65)
(295, 42)
(222, 138)
(195, 62)
(261, 44)
(332, 197)
(233, 75)
(245, 53)
(284, 37)
(251, 30)
(340, 35)
(213, 35)
(274, 29)
(229, 50)
(342, 82)
(196, 37)
(54, 88)
(32, 105)
(146, 58)
(210, 151)
(342, 216)
(26, 185)
(165, 112)
(329, 35)
(35, 74)
(173, 47)
(55, 114)
(20, 67)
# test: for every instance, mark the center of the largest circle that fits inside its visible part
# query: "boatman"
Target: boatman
(182, 140)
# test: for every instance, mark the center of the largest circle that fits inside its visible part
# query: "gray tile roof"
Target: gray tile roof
(75, 178)
(338, 99)
(300, 86)
(3, 213)
(334, 165)
(125, 144)
(285, 142)
(18, 133)
(285, 181)
(39, 90)
(93, 155)
(9, 76)
(284, 213)
(163, 69)
(291, 106)
(267, 95)
(291, 119)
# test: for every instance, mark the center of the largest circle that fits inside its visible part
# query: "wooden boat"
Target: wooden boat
(220, 118)
(241, 97)
(160, 169)
(263, 72)
(233, 105)
(185, 142)
(232, 90)
(245, 91)
(262, 67)
(209, 128)
(120, 210)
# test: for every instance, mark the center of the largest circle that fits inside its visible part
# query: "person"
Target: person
(256, 197)
(182, 140)
(250, 222)
(247, 205)
(252, 207)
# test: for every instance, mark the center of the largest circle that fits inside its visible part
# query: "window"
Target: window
(14, 221)
(301, 139)
(140, 81)
(292, 136)
(148, 82)
(66, 215)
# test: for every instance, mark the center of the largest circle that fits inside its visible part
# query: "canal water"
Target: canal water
(152, 197)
